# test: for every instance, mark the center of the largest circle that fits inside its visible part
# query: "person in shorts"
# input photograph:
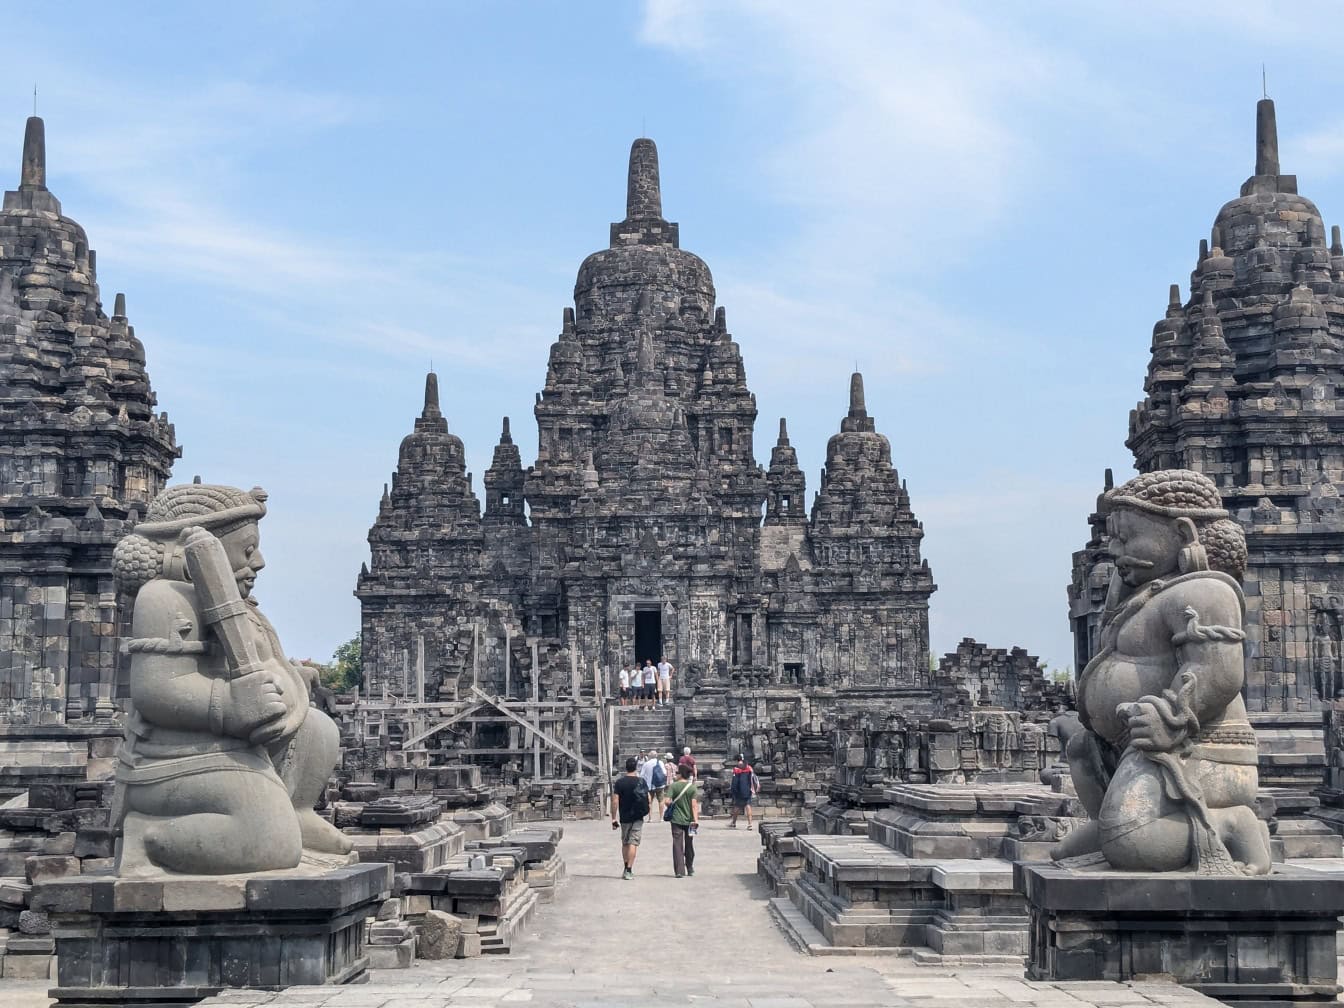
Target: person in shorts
(649, 674)
(625, 685)
(629, 806)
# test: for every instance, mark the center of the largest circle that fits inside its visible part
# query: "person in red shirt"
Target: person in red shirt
(687, 760)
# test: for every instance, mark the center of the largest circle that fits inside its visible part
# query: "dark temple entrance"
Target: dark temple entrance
(648, 634)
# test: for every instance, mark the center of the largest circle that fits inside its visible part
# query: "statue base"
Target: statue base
(175, 940)
(1258, 941)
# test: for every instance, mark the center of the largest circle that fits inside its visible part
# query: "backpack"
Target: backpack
(659, 776)
(642, 797)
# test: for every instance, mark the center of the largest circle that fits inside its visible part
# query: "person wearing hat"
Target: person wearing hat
(742, 790)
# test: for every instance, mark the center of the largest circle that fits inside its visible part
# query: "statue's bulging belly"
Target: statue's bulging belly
(1116, 679)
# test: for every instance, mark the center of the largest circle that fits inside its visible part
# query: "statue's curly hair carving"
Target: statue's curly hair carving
(1225, 543)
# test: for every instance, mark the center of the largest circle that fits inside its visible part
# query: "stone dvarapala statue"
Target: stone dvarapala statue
(224, 758)
(1166, 765)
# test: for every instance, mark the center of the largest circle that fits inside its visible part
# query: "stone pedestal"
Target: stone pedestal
(174, 941)
(1268, 940)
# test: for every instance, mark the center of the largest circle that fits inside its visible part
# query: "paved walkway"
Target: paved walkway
(706, 941)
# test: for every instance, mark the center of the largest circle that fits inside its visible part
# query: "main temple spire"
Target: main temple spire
(1266, 138)
(431, 396)
(643, 192)
(32, 193)
(33, 175)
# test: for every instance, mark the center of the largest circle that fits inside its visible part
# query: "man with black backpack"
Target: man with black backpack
(629, 806)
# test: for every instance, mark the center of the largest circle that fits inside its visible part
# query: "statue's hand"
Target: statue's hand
(1151, 728)
(256, 708)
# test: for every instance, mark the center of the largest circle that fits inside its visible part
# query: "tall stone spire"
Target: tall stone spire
(431, 396)
(644, 223)
(34, 171)
(32, 193)
(643, 193)
(1266, 138)
(858, 418)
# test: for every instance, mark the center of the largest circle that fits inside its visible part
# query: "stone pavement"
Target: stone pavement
(661, 941)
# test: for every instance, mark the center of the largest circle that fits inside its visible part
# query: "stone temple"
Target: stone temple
(646, 526)
(82, 450)
(1244, 385)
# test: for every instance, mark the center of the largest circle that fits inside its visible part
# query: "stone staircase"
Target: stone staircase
(638, 731)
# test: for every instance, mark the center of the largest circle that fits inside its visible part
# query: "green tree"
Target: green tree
(346, 669)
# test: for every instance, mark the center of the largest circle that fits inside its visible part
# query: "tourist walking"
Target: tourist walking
(649, 675)
(664, 682)
(684, 798)
(625, 684)
(655, 779)
(629, 806)
(742, 790)
(688, 760)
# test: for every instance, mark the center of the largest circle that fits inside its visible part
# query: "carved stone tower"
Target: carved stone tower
(1245, 386)
(82, 453)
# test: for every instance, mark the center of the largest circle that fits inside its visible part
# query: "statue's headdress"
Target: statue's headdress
(1183, 493)
(151, 551)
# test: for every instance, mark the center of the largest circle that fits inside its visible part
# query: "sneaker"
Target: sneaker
(690, 871)
(732, 825)
(680, 876)
(628, 875)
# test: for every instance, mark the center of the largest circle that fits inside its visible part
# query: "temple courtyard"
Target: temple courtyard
(708, 940)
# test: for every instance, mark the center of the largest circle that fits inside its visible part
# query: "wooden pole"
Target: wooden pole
(536, 686)
(420, 669)
(508, 658)
(476, 653)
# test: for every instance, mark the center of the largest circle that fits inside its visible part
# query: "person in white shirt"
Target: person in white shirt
(650, 676)
(625, 685)
(664, 682)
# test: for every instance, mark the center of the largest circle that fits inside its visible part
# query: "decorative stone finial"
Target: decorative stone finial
(1336, 246)
(1266, 138)
(504, 436)
(1174, 296)
(34, 172)
(431, 395)
(857, 407)
(783, 432)
(643, 193)
(567, 322)
(119, 306)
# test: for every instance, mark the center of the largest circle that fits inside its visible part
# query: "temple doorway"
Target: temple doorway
(649, 634)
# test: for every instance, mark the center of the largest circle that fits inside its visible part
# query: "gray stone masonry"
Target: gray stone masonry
(82, 453)
(645, 528)
(1244, 386)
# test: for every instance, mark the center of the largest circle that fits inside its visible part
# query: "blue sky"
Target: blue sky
(981, 204)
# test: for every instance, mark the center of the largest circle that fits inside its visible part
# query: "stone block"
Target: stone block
(1263, 939)
(398, 956)
(469, 946)
(43, 868)
(438, 935)
(18, 966)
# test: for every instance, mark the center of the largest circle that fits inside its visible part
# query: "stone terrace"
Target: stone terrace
(590, 948)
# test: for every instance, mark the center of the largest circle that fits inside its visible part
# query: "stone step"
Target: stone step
(808, 940)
